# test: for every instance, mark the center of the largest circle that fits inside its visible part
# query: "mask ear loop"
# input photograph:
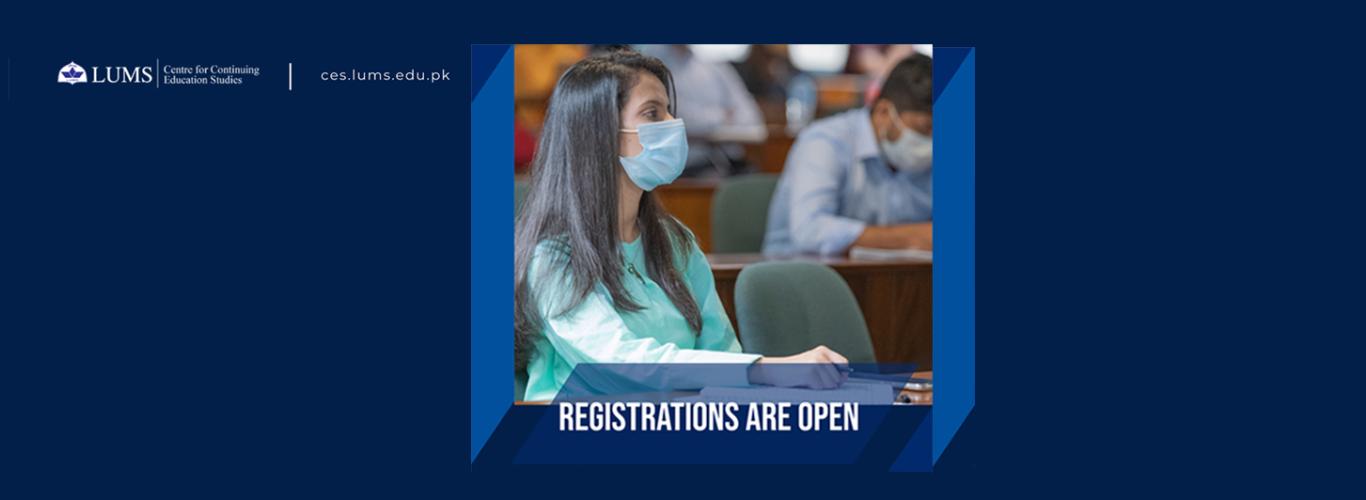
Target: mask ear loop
(633, 131)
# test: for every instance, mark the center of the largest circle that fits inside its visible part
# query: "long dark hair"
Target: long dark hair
(573, 198)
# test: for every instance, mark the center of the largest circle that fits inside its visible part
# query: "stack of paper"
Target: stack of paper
(865, 253)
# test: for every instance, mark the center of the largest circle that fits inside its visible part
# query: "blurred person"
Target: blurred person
(717, 105)
(863, 177)
(767, 71)
(603, 273)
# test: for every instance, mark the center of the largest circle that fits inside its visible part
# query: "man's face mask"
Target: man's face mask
(663, 155)
(912, 151)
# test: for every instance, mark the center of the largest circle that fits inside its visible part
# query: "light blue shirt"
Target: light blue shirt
(835, 184)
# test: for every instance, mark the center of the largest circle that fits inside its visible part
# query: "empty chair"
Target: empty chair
(739, 213)
(787, 307)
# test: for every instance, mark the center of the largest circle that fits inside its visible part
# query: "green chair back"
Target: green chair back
(739, 213)
(787, 307)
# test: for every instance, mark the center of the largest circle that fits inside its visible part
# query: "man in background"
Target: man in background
(863, 177)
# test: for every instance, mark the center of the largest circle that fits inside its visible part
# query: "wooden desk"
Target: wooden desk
(771, 154)
(919, 398)
(895, 297)
(690, 201)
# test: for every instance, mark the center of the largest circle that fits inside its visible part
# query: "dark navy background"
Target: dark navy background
(265, 293)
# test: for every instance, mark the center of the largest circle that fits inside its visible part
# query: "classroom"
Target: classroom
(791, 187)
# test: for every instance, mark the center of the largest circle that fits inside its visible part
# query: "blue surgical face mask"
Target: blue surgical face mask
(664, 153)
(912, 151)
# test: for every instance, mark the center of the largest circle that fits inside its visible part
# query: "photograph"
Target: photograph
(693, 207)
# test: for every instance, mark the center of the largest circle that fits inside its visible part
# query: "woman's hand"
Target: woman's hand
(819, 368)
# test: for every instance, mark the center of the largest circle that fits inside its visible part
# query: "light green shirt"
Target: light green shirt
(596, 332)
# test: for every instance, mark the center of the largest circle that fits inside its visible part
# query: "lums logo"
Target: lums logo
(72, 73)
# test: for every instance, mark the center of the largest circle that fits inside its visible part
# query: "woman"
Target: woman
(603, 273)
